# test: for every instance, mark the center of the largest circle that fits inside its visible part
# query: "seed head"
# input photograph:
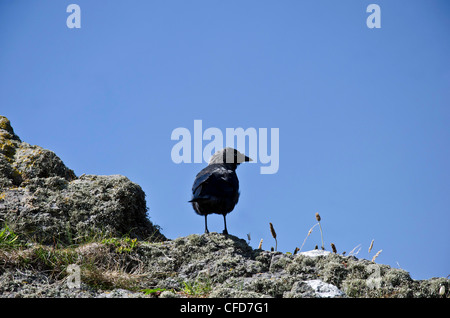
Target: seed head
(272, 230)
(333, 247)
(318, 217)
(371, 245)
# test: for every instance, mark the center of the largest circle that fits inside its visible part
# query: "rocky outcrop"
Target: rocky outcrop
(52, 221)
(46, 202)
(208, 265)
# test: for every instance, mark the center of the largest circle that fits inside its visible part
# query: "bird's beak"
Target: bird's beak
(248, 159)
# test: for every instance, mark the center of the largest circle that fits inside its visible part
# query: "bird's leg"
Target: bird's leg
(225, 231)
(206, 225)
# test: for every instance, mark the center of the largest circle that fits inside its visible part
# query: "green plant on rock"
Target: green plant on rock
(199, 288)
(8, 239)
(122, 245)
(153, 291)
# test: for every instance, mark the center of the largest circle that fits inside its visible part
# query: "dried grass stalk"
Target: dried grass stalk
(376, 255)
(260, 244)
(272, 230)
(371, 245)
(353, 250)
(309, 233)
(318, 218)
(274, 235)
(333, 247)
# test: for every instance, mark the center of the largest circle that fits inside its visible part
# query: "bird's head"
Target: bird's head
(229, 156)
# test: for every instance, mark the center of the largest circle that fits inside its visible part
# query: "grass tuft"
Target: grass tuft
(8, 239)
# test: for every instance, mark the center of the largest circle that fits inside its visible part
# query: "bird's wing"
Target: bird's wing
(217, 179)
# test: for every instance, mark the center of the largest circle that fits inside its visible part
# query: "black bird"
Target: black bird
(216, 187)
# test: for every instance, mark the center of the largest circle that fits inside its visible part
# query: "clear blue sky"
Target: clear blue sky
(363, 114)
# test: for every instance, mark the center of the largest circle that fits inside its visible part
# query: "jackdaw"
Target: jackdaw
(216, 187)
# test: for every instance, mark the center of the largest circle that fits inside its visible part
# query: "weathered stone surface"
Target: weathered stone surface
(43, 199)
(208, 265)
(51, 219)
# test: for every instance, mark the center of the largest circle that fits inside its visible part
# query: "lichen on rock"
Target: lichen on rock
(44, 200)
(61, 219)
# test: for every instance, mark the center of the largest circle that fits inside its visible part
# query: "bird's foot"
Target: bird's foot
(206, 231)
(225, 232)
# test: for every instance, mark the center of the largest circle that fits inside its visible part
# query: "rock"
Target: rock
(207, 265)
(43, 199)
(55, 219)
(20, 161)
(324, 290)
(314, 288)
(169, 294)
(315, 253)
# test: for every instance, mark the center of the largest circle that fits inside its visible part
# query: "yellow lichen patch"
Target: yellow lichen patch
(29, 157)
(7, 147)
(5, 135)
(5, 124)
